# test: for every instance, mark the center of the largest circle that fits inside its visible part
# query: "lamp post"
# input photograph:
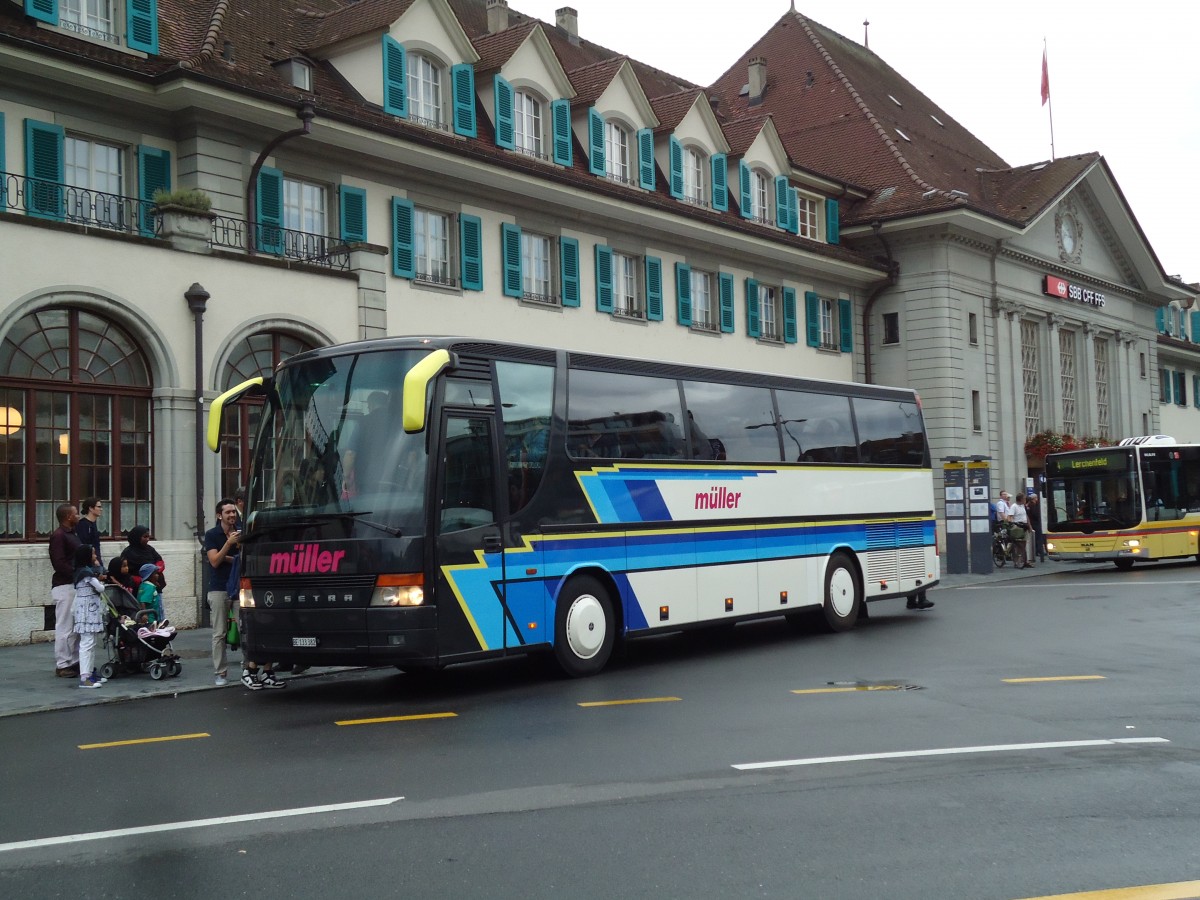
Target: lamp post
(197, 301)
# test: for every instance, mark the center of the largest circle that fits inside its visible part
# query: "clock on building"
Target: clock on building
(1070, 235)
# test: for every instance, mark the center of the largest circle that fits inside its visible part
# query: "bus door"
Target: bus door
(472, 611)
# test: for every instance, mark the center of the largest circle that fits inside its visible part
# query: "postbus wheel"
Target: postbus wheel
(843, 594)
(584, 627)
(1123, 564)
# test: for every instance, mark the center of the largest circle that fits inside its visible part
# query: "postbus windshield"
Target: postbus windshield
(331, 448)
(1090, 491)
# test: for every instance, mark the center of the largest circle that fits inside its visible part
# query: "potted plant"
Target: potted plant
(187, 217)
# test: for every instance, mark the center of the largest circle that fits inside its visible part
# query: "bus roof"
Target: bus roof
(470, 346)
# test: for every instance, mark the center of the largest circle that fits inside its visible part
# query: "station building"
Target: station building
(454, 166)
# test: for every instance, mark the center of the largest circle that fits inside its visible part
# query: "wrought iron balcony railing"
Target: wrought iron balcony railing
(81, 206)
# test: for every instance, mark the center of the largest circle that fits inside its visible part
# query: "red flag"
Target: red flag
(1045, 79)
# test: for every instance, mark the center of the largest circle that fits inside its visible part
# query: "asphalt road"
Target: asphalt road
(728, 778)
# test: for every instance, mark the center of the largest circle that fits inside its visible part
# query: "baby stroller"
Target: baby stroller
(135, 642)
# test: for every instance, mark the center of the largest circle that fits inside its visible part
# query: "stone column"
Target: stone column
(1085, 382)
(1010, 392)
(369, 263)
(1053, 417)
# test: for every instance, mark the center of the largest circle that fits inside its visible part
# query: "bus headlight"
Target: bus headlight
(1133, 542)
(399, 590)
(1049, 546)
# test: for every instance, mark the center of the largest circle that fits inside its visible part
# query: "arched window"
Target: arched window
(258, 354)
(74, 422)
(425, 91)
(616, 150)
(527, 124)
(694, 164)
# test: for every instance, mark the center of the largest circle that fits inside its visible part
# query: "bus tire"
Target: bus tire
(584, 627)
(842, 599)
(1123, 564)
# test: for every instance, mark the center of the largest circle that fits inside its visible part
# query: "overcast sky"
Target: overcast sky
(1124, 79)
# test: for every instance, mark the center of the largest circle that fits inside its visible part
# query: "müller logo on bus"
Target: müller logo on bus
(305, 559)
(718, 498)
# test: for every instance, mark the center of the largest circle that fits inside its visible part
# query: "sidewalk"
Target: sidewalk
(27, 682)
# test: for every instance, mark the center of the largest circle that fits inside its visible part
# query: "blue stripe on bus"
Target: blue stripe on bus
(648, 500)
(635, 619)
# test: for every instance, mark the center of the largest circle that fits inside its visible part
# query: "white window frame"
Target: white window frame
(769, 318)
(704, 316)
(92, 18)
(423, 80)
(89, 165)
(305, 206)
(528, 133)
(617, 160)
(693, 175)
(827, 315)
(762, 186)
(433, 246)
(806, 210)
(625, 287)
(537, 268)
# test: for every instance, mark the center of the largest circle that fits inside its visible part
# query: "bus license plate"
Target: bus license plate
(304, 642)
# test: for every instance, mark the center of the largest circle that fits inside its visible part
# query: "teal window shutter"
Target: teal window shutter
(154, 174)
(752, 308)
(505, 134)
(596, 163)
(42, 10)
(789, 316)
(1160, 320)
(812, 318)
(747, 201)
(1196, 391)
(1195, 317)
(781, 202)
(395, 78)
(1183, 325)
(833, 228)
(725, 284)
(676, 179)
(604, 283)
(510, 251)
(352, 213)
(654, 298)
(141, 25)
(683, 294)
(720, 188)
(645, 140)
(568, 249)
(1164, 386)
(462, 80)
(560, 115)
(470, 240)
(793, 210)
(846, 324)
(268, 211)
(44, 169)
(404, 261)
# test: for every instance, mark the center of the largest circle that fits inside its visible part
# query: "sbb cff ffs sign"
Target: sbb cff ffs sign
(1064, 290)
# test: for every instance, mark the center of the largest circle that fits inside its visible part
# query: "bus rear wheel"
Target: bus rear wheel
(1123, 564)
(584, 628)
(843, 594)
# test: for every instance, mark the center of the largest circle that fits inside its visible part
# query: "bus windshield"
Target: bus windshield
(332, 449)
(1092, 491)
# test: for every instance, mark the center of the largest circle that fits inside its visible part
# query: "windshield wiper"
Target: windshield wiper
(317, 518)
(358, 517)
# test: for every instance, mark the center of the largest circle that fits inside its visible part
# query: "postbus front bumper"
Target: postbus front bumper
(371, 636)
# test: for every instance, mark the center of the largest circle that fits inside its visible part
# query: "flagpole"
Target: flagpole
(1049, 100)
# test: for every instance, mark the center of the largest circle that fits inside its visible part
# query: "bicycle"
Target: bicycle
(1005, 549)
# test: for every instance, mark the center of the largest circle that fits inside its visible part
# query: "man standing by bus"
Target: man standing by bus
(63, 542)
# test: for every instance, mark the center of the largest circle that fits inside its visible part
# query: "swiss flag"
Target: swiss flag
(1045, 79)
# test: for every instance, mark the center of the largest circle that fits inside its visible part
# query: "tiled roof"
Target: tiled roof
(496, 49)
(592, 80)
(671, 108)
(742, 133)
(842, 111)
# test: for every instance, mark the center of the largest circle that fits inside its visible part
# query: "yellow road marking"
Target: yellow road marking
(155, 740)
(629, 702)
(1054, 678)
(843, 690)
(1179, 890)
(445, 715)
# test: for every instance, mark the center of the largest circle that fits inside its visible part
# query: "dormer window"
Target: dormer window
(111, 22)
(693, 176)
(424, 91)
(760, 197)
(301, 75)
(527, 124)
(616, 151)
(93, 18)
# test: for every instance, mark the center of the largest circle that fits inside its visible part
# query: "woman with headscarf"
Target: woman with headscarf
(139, 552)
(118, 573)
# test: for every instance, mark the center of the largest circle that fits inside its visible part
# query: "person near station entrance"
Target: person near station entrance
(220, 548)
(1037, 534)
(63, 542)
(1000, 511)
(1019, 530)
(86, 528)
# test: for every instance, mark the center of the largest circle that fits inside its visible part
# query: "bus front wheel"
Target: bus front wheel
(843, 595)
(584, 629)
(1123, 564)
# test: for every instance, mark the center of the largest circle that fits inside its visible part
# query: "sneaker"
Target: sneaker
(220, 681)
(96, 676)
(88, 683)
(250, 680)
(268, 680)
(67, 672)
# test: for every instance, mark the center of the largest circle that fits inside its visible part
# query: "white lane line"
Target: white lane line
(194, 823)
(1055, 586)
(946, 751)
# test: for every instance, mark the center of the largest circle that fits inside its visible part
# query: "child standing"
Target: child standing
(89, 615)
(150, 590)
